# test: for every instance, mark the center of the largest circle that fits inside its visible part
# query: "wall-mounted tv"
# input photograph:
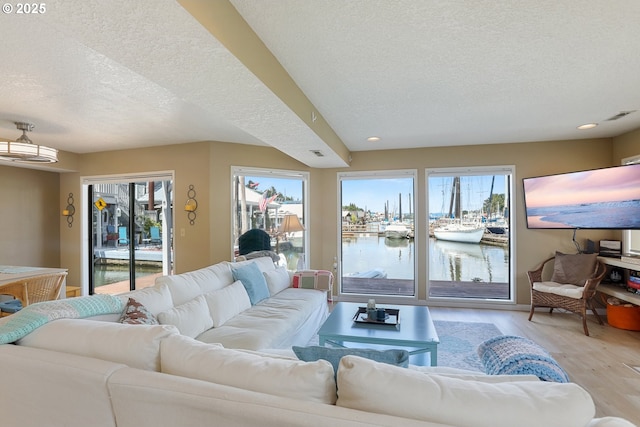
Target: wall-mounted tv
(607, 198)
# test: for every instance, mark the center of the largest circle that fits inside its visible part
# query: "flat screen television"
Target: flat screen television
(607, 198)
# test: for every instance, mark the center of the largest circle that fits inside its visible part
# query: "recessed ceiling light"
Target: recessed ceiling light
(373, 139)
(587, 126)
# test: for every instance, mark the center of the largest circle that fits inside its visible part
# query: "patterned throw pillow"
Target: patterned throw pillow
(135, 313)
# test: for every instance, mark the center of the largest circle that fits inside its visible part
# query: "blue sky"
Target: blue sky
(288, 187)
(372, 194)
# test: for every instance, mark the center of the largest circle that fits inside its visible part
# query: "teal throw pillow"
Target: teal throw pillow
(253, 281)
(333, 355)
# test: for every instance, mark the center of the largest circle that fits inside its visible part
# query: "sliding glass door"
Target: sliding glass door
(130, 232)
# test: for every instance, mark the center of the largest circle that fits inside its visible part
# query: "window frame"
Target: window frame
(304, 176)
(377, 174)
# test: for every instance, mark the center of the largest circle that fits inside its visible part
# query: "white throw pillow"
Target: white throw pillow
(155, 298)
(191, 318)
(137, 346)
(227, 302)
(312, 381)
(459, 402)
(277, 280)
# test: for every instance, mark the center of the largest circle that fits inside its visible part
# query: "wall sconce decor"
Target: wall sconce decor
(192, 205)
(69, 211)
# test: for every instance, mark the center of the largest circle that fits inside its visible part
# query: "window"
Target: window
(469, 248)
(377, 236)
(273, 201)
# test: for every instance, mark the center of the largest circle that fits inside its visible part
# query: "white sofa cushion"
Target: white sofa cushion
(186, 286)
(313, 381)
(291, 317)
(155, 298)
(277, 280)
(38, 383)
(137, 346)
(227, 302)
(263, 263)
(191, 318)
(459, 402)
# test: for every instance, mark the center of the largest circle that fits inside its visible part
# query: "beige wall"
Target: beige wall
(627, 145)
(207, 166)
(30, 217)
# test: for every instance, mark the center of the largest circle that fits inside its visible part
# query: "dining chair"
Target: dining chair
(36, 289)
(18, 290)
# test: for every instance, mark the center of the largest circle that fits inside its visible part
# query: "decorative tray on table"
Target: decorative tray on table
(392, 317)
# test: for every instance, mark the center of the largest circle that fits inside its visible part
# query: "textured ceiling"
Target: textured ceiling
(98, 75)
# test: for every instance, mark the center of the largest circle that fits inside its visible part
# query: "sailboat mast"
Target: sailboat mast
(490, 208)
(458, 212)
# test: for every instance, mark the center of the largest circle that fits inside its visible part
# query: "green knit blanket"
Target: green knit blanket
(31, 317)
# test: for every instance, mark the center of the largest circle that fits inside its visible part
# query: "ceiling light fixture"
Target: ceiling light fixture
(24, 150)
(587, 126)
(373, 139)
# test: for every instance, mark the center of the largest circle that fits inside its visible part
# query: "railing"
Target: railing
(360, 228)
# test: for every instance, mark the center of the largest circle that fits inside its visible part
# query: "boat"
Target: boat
(498, 229)
(396, 231)
(455, 232)
(376, 273)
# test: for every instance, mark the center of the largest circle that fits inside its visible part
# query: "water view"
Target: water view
(107, 274)
(448, 261)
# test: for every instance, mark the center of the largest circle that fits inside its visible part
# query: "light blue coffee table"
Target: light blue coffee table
(415, 333)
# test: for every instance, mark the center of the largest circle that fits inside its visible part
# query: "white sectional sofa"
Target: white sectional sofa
(82, 372)
(211, 306)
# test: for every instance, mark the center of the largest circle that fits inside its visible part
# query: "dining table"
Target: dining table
(11, 273)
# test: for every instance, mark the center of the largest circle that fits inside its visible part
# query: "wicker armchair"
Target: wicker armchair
(18, 290)
(35, 289)
(574, 298)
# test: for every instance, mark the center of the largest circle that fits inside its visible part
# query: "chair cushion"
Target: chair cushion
(11, 306)
(571, 291)
(573, 269)
(512, 355)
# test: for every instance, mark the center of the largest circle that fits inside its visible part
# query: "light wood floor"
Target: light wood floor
(600, 363)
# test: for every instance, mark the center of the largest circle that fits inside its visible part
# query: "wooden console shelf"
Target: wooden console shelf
(619, 291)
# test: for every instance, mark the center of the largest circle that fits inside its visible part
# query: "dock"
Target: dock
(439, 289)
